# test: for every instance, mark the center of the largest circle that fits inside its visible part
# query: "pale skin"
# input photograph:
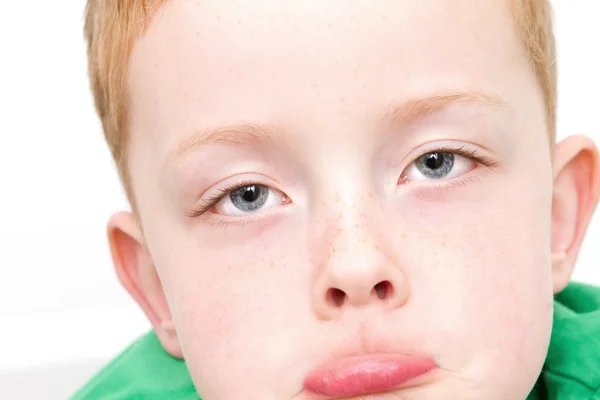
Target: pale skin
(356, 249)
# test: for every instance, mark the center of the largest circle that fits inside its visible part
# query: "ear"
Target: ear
(138, 275)
(575, 195)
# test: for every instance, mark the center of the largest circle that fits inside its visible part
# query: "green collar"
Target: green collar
(572, 367)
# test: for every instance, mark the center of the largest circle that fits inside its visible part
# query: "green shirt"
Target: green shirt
(571, 372)
(572, 367)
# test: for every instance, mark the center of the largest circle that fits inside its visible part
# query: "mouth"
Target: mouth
(375, 373)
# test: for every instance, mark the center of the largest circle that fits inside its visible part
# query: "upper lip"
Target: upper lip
(360, 375)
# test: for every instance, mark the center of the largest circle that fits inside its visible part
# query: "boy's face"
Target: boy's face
(392, 194)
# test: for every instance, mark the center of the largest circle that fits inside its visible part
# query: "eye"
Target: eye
(439, 165)
(249, 199)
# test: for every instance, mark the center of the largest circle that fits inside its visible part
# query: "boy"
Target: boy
(345, 199)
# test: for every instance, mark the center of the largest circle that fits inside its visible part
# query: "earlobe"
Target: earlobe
(137, 273)
(561, 271)
(575, 195)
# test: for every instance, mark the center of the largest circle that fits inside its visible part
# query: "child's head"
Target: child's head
(318, 180)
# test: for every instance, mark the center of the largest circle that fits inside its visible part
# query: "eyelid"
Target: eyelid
(461, 181)
(212, 200)
(207, 202)
(471, 153)
(462, 151)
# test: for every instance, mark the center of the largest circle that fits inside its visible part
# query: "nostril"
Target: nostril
(383, 290)
(336, 296)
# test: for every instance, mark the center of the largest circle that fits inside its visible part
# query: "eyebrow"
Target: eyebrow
(418, 109)
(242, 134)
(396, 114)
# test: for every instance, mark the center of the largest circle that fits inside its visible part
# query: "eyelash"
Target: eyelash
(471, 154)
(462, 151)
(213, 200)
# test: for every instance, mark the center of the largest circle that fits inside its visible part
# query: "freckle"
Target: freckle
(370, 195)
(444, 244)
(239, 22)
(403, 236)
(272, 265)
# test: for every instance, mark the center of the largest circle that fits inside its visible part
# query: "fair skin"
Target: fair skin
(354, 246)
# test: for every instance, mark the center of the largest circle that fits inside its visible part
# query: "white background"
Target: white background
(60, 302)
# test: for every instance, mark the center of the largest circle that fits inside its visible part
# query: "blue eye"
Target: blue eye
(439, 165)
(435, 165)
(250, 198)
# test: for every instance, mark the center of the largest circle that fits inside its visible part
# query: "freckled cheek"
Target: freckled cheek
(486, 263)
(241, 293)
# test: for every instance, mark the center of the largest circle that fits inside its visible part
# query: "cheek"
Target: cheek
(242, 300)
(487, 282)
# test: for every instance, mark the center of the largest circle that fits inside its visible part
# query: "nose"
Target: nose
(356, 273)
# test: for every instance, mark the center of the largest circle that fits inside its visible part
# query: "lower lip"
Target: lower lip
(366, 375)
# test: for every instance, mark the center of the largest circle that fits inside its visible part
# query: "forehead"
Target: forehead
(205, 64)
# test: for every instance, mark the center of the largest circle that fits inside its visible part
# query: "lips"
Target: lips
(362, 375)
